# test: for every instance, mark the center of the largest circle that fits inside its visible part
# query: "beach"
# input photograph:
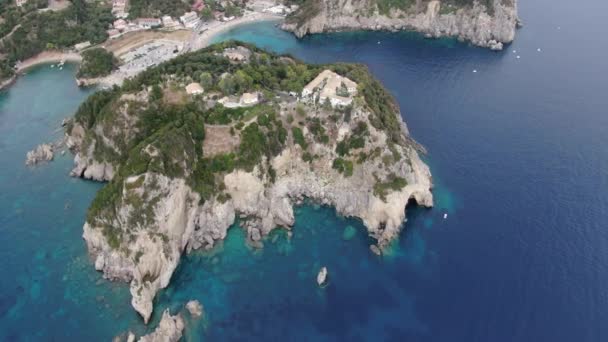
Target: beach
(212, 29)
(48, 57)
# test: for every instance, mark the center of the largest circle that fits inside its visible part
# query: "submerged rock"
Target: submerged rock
(349, 233)
(41, 153)
(376, 250)
(195, 308)
(322, 276)
(494, 45)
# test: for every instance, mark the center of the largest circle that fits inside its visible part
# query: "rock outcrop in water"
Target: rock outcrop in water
(487, 23)
(181, 168)
(169, 329)
(195, 308)
(322, 276)
(42, 153)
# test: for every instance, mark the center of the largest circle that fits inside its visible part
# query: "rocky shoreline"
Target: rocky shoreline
(473, 23)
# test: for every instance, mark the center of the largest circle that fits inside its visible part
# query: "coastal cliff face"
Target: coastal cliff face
(182, 168)
(490, 23)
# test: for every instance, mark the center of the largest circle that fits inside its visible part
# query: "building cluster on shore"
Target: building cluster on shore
(121, 26)
(189, 20)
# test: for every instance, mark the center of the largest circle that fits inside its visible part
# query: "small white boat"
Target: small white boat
(518, 57)
(475, 70)
(52, 65)
(378, 42)
(445, 216)
(538, 49)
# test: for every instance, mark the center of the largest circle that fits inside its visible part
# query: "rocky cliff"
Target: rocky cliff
(487, 23)
(182, 168)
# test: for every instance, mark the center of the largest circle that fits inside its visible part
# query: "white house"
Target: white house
(20, 3)
(238, 54)
(249, 99)
(329, 86)
(120, 24)
(148, 23)
(169, 23)
(194, 88)
(189, 19)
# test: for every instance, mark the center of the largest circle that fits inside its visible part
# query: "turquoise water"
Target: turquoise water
(51, 282)
(48, 289)
(519, 158)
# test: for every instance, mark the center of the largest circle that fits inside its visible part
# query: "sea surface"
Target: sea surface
(518, 148)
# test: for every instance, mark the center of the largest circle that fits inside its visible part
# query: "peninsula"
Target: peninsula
(234, 131)
(486, 23)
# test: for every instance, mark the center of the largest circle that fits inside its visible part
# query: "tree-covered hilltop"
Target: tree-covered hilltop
(230, 130)
(39, 31)
(97, 62)
(152, 111)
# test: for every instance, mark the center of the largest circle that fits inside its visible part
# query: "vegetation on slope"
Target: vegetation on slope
(96, 63)
(169, 135)
(157, 8)
(11, 15)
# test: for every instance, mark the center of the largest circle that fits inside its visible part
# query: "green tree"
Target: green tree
(206, 80)
(96, 63)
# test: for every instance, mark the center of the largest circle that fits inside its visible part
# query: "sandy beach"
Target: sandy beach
(217, 27)
(48, 57)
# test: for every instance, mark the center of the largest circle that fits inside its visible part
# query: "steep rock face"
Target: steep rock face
(41, 153)
(113, 130)
(143, 241)
(475, 23)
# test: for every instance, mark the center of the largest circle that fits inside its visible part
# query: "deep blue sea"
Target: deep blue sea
(519, 155)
